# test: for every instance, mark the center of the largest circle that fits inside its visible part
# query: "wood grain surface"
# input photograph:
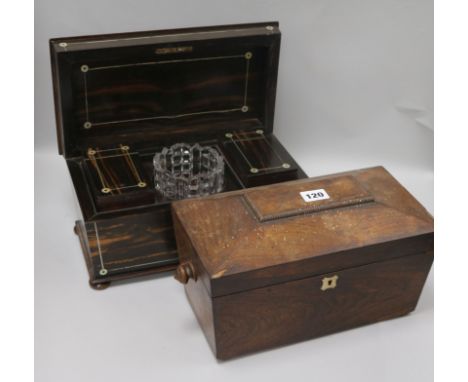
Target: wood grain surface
(299, 310)
(148, 90)
(269, 269)
(239, 250)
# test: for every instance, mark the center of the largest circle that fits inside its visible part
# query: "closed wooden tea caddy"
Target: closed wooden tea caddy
(120, 98)
(277, 264)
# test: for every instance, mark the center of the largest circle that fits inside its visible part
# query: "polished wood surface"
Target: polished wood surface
(116, 177)
(128, 246)
(299, 310)
(137, 88)
(134, 220)
(257, 252)
(246, 151)
(239, 250)
(147, 90)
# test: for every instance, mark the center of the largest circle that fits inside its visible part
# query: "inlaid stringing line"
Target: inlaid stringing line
(270, 168)
(113, 156)
(165, 62)
(101, 151)
(110, 175)
(99, 246)
(242, 153)
(144, 264)
(166, 116)
(247, 66)
(257, 139)
(98, 170)
(86, 96)
(123, 187)
(91, 230)
(130, 163)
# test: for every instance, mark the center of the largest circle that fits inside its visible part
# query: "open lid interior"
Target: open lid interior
(154, 87)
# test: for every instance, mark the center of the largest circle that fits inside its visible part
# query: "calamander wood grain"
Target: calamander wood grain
(129, 245)
(263, 152)
(113, 167)
(239, 252)
(134, 236)
(130, 94)
(299, 310)
(99, 282)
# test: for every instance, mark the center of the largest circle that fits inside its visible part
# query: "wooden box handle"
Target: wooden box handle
(184, 272)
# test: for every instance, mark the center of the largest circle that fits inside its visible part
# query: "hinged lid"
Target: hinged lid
(266, 235)
(156, 86)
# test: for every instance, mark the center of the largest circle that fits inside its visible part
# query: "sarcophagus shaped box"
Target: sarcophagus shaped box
(278, 264)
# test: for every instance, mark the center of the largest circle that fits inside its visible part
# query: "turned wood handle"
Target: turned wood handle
(184, 272)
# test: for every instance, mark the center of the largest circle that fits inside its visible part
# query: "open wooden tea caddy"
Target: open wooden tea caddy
(121, 98)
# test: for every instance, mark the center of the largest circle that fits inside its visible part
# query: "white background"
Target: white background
(355, 89)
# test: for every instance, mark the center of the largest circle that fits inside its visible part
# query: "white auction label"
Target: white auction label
(314, 195)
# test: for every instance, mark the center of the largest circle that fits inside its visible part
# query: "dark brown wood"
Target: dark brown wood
(116, 177)
(266, 260)
(258, 158)
(185, 272)
(147, 90)
(299, 310)
(120, 88)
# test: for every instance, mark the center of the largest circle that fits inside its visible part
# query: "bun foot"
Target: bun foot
(99, 286)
